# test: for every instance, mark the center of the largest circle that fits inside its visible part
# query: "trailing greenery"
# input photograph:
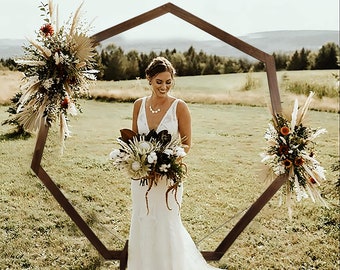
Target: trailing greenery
(17, 131)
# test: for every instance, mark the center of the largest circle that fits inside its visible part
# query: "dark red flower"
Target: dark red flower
(283, 149)
(312, 180)
(47, 30)
(71, 80)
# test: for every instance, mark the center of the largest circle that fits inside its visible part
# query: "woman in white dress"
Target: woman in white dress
(158, 239)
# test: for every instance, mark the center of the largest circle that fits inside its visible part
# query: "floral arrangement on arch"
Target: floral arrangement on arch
(57, 67)
(150, 157)
(291, 151)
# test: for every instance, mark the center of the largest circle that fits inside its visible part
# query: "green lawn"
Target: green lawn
(224, 179)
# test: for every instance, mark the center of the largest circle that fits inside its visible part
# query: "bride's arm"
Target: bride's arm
(184, 124)
(136, 107)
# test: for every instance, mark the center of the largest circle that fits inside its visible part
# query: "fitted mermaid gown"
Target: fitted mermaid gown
(158, 240)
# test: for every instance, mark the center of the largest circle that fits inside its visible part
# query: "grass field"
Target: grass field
(212, 89)
(230, 89)
(224, 180)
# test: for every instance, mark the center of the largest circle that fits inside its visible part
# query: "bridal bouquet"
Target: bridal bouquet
(150, 157)
(291, 151)
(57, 67)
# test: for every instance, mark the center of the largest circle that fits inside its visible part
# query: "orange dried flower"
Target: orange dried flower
(47, 30)
(299, 161)
(287, 163)
(285, 130)
(65, 102)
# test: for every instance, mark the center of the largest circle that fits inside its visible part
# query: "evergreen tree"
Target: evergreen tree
(132, 70)
(304, 63)
(294, 62)
(209, 67)
(327, 58)
(280, 61)
(113, 60)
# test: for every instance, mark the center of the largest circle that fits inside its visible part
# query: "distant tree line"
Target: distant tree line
(115, 64)
(326, 58)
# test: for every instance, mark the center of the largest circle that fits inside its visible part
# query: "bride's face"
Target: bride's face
(161, 83)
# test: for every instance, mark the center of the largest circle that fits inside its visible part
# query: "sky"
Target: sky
(20, 19)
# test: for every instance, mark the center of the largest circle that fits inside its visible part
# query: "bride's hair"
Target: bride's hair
(158, 65)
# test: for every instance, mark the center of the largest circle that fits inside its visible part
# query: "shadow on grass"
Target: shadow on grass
(16, 134)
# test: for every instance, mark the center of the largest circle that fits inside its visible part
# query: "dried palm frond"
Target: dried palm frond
(83, 47)
(30, 116)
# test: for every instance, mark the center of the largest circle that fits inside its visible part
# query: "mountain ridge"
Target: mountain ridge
(282, 41)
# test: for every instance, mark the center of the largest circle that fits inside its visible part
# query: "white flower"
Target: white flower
(152, 157)
(114, 154)
(179, 152)
(144, 147)
(135, 165)
(164, 167)
(168, 152)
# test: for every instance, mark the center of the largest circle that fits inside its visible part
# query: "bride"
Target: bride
(158, 239)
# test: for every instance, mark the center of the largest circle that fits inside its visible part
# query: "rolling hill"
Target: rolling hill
(273, 41)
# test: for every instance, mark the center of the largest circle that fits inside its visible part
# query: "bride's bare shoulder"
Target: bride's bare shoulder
(181, 105)
(137, 103)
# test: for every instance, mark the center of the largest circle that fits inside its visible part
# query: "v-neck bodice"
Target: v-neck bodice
(169, 121)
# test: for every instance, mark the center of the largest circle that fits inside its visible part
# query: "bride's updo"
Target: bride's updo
(158, 65)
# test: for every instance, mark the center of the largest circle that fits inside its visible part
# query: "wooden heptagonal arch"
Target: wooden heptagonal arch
(269, 62)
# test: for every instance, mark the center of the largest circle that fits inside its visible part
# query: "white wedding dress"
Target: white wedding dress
(158, 239)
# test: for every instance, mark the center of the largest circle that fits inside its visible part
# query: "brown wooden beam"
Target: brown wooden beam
(208, 28)
(273, 85)
(124, 257)
(131, 23)
(188, 17)
(217, 32)
(62, 200)
(269, 61)
(249, 215)
(39, 146)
